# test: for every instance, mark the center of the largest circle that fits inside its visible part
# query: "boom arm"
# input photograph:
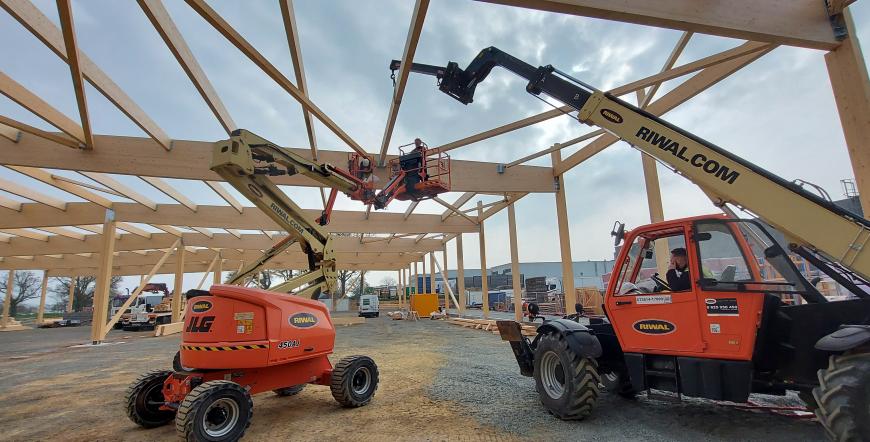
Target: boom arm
(234, 160)
(811, 224)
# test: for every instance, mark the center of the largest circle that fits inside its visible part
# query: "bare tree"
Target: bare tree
(83, 290)
(345, 278)
(26, 286)
(388, 281)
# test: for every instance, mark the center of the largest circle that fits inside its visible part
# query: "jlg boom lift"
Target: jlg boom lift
(239, 341)
(731, 332)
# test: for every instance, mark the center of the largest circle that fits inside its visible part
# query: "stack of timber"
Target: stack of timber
(591, 299)
(488, 325)
(13, 325)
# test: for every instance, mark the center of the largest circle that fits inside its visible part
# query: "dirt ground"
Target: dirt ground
(437, 382)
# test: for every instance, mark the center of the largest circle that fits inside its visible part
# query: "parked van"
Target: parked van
(368, 306)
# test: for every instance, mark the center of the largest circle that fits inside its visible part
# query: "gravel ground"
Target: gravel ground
(481, 375)
(438, 382)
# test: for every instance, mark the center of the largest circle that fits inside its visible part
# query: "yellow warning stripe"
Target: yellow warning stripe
(227, 348)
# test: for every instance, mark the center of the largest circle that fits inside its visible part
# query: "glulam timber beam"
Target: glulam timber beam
(159, 16)
(401, 79)
(802, 23)
(46, 31)
(39, 107)
(292, 32)
(51, 245)
(67, 25)
(191, 160)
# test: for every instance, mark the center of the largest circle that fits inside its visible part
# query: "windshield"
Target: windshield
(726, 265)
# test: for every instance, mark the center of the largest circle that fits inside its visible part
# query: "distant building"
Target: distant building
(586, 273)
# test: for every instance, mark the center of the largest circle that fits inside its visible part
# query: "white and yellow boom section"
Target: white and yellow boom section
(830, 237)
(246, 161)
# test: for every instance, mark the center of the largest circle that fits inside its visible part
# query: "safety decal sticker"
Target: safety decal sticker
(722, 307)
(611, 116)
(225, 348)
(292, 343)
(302, 320)
(715, 329)
(654, 327)
(244, 322)
(653, 299)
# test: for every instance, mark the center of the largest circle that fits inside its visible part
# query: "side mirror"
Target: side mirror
(648, 254)
(618, 233)
(534, 309)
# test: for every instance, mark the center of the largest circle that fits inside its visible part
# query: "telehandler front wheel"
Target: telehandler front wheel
(214, 411)
(354, 381)
(567, 383)
(843, 397)
(144, 398)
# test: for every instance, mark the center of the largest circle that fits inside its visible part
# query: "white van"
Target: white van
(368, 306)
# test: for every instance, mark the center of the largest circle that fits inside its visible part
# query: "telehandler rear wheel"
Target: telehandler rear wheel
(214, 411)
(567, 383)
(843, 397)
(144, 398)
(354, 381)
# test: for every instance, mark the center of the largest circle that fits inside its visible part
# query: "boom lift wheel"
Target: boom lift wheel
(214, 411)
(144, 398)
(354, 381)
(567, 383)
(843, 397)
(289, 391)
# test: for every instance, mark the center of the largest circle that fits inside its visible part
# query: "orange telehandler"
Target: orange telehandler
(734, 329)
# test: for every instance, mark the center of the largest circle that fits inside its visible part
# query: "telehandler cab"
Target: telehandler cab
(737, 329)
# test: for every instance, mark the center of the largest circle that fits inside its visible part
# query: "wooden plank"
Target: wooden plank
(26, 192)
(515, 264)
(849, 80)
(401, 79)
(21, 127)
(292, 32)
(46, 31)
(130, 228)
(103, 283)
(802, 23)
(236, 39)
(30, 101)
(123, 189)
(170, 191)
(10, 203)
(10, 133)
(67, 24)
(484, 272)
(75, 189)
(191, 159)
(223, 193)
(680, 94)
(159, 16)
(564, 238)
(63, 231)
(169, 329)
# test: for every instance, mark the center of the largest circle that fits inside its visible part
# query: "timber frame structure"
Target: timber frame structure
(137, 236)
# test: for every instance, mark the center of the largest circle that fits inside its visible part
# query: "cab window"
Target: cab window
(720, 256)
(639, 273)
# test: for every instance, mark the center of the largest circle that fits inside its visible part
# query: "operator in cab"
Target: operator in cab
(678, 274)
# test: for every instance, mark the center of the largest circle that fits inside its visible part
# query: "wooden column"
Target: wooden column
(656, 211)
(42, 292)
(218, 272)
(446, 280)
(515, 265)
(423, 274)
(72, 293)
(10, 286)
(416, 279)
(564, 239)
(103, 285)
(179, 283)
(432, 272)
(849, 80)
(460, 275)
(484, 284)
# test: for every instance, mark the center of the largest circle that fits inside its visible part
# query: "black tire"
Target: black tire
(618, 382)
(214, 411)
(567, 383)
(843, 397)
(289, 391)
(378, 314)
(176, 363)
(144, 398)
(354, 381)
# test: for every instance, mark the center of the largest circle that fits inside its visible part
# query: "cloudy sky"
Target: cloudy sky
(778, 112)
